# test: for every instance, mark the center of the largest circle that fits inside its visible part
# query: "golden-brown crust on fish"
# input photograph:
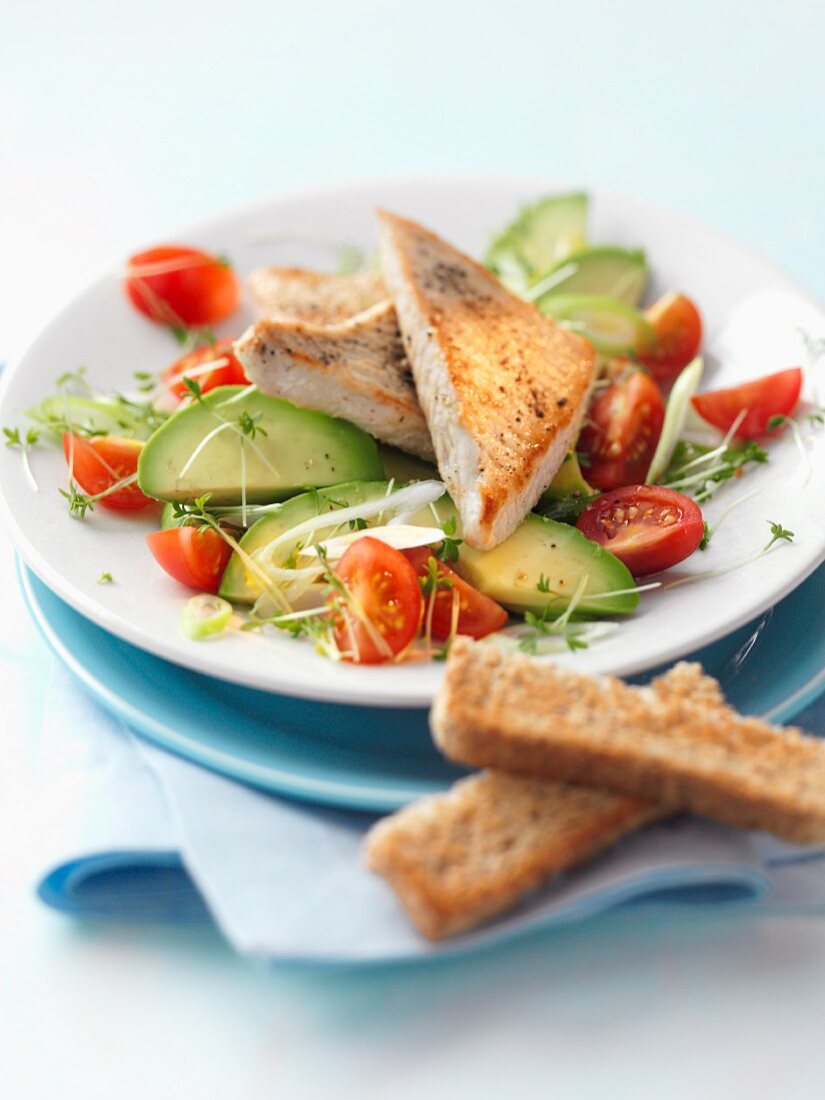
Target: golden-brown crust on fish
(503, 388)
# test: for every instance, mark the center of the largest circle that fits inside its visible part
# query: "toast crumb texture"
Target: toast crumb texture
(681, 748)
(457, 859)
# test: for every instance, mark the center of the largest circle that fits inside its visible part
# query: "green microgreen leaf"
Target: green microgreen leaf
(778, 532)
(448, 550)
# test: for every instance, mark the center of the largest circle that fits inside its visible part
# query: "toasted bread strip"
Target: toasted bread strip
(295, 294)
(460, 858)
(457, 859)
(528, 718)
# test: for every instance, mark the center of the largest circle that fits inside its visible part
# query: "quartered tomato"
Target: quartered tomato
(478, 615)
(677, 326)
(622, 429)
(98, 464)
(648, 527)
(381, 612)
(210, 365)
(775, 395)
(194, 556)
(182, 287)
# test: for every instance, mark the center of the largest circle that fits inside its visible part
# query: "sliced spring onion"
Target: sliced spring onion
(412, 498)
(204, 616)
(676, 411)
(400, 536)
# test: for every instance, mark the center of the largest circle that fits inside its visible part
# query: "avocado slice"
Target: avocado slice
(403, 467)
(612, 327)
(544, 548)
(104, 415)
(510, 573)
(543, 233)
(618, 273)
(292, 449)
(569, 481)
(237, 584)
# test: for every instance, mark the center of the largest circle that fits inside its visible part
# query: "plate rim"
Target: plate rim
(323, 691)
(340, 794)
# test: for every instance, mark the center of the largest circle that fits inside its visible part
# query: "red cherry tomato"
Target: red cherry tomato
(194, 556)
(648, 527)
(180, 286)
(677, 325)
(382, 612)
(97, 464)
(775, 395)
(478, 615)
(226, 369)
(621, 432)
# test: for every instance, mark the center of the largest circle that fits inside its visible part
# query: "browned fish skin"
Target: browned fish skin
(503, 388)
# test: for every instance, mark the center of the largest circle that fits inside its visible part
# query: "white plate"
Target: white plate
(753, 314)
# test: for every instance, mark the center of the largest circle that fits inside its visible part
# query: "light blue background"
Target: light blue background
(121, 121)
(137, 117)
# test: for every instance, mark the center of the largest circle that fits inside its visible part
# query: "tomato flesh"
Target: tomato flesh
(226, 371)
(194, 556)
(775, 395)
(677, 325)
(647, 527)
(381, 613)
(478, 615)
(623, 427)
(97, 464)
(181, 286)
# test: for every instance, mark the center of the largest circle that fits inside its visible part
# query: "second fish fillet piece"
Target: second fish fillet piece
(502, 388)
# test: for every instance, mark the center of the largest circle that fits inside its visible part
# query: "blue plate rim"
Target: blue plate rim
(338, 793)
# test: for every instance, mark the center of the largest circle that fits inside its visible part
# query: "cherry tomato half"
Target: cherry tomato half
(194, 556)
(775, 395)
(97, 464)
(226, 369)
(677, 325)
(622, 429)
(478, 615)
(180, 286)
(382, 612)
(648, 527)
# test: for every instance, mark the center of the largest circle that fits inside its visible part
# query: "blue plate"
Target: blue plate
(370, 758)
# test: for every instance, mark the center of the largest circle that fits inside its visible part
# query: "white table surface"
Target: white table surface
(119, 122)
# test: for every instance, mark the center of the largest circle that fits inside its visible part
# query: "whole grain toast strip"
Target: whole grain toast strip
(460, 858)
(525, 717)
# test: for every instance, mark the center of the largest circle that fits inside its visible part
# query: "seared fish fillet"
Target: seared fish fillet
(355, 369)
(503, 389)
(294, 294)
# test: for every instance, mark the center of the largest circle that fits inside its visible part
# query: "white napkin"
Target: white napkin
(130, 831)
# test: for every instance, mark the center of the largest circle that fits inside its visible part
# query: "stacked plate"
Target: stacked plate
(271, 712)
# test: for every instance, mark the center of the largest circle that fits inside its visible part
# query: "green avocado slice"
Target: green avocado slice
(238, 584)
(611, 326)
(540, 550)
(618, 273)
(201, 449)
(543, 233)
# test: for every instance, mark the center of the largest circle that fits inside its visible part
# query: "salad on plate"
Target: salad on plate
(421, 446)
